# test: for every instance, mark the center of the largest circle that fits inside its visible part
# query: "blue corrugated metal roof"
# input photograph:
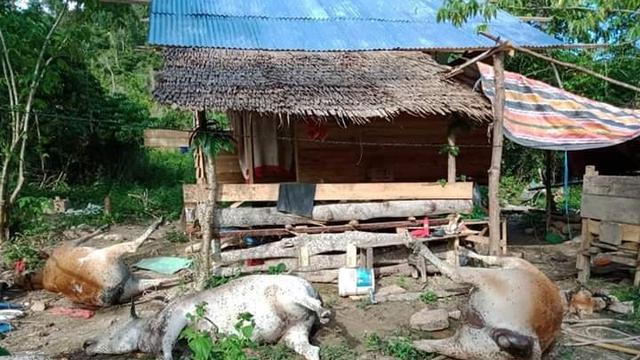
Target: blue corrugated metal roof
(325, 25)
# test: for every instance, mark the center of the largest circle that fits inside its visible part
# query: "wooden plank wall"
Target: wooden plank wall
(346, 163)
(611, 198)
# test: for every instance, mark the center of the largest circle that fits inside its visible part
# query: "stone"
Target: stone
(430, 320)
(390, 290)
(38, 306)
(455, 314)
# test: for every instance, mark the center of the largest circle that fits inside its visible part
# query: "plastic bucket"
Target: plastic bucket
(355, 281)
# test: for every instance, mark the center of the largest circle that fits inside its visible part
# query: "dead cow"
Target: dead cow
(96, 277)
(284, 308)
(514, 311)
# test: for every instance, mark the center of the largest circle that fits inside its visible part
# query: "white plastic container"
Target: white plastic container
(355, 281)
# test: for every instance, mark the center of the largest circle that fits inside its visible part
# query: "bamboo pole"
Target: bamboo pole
(548, 156)
(496, 155)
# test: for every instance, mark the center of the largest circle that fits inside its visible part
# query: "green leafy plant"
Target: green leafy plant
(277, 269)
(22, 249)
(217, 280)
(442, 182)
(449, 150)
(428, 297)
(224, 346)
(175, 236)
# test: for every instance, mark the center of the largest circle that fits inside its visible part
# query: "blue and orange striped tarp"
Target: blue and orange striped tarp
(541, 116)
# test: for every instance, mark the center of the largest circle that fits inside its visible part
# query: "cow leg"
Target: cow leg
(118, 250)
(297, 339)
(467, 344)
(135, 286)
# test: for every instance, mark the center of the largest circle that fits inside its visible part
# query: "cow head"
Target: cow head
(121, 339)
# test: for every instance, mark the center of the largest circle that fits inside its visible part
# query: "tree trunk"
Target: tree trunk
(4, 204)
(451, 158)
(4, 226)
(246, 217)
(496, 155)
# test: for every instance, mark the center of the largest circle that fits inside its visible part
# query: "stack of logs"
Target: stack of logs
(317, 252)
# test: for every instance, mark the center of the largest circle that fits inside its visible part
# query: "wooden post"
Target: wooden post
(451, 159)
(496, 155)
(583, 262)
(249, 151)
(548, 156)
(210, 241)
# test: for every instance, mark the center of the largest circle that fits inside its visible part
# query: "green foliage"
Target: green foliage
(175, 236)
(338, 352)
(442, 182)
(449, 150)
(277, 269)
(584, 20)
(428, 297)
(630, 293)
(21, 249)
(224, 346)
(218, 280)
(400, 347)
(511, 189)
(157, 192)
(4, 352)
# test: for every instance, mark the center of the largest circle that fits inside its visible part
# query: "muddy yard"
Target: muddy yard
(347, 336)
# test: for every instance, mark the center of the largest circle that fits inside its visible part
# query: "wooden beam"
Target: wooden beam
(496, 155)
(336, 192)
(161, 138)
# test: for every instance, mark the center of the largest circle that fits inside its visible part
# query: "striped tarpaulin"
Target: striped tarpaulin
(541, 116)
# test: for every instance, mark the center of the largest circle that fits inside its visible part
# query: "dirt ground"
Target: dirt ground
(61, 337)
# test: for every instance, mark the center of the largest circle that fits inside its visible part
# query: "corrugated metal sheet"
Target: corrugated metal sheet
(325, 25)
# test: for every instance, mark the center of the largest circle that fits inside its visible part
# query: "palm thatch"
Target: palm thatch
(353, 86)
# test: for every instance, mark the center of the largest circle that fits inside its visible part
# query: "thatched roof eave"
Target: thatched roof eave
(352, 87)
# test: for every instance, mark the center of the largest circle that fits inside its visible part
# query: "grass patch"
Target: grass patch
(428, 297)
(338, 352)
(175, 236)
(400, 347)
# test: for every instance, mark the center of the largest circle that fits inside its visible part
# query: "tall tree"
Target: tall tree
(21, 89)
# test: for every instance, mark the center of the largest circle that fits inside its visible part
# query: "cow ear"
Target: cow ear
(132, 311)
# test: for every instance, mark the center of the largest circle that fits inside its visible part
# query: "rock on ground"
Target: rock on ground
(430, 320)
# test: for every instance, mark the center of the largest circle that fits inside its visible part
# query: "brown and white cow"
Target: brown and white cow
(93, 276)
(514, 311)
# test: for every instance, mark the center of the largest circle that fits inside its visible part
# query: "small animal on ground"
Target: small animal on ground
(284, 309)
(514, 310)
(95, 277)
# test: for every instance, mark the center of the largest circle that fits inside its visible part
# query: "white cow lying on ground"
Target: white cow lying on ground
(514, 312)
(284, 308)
